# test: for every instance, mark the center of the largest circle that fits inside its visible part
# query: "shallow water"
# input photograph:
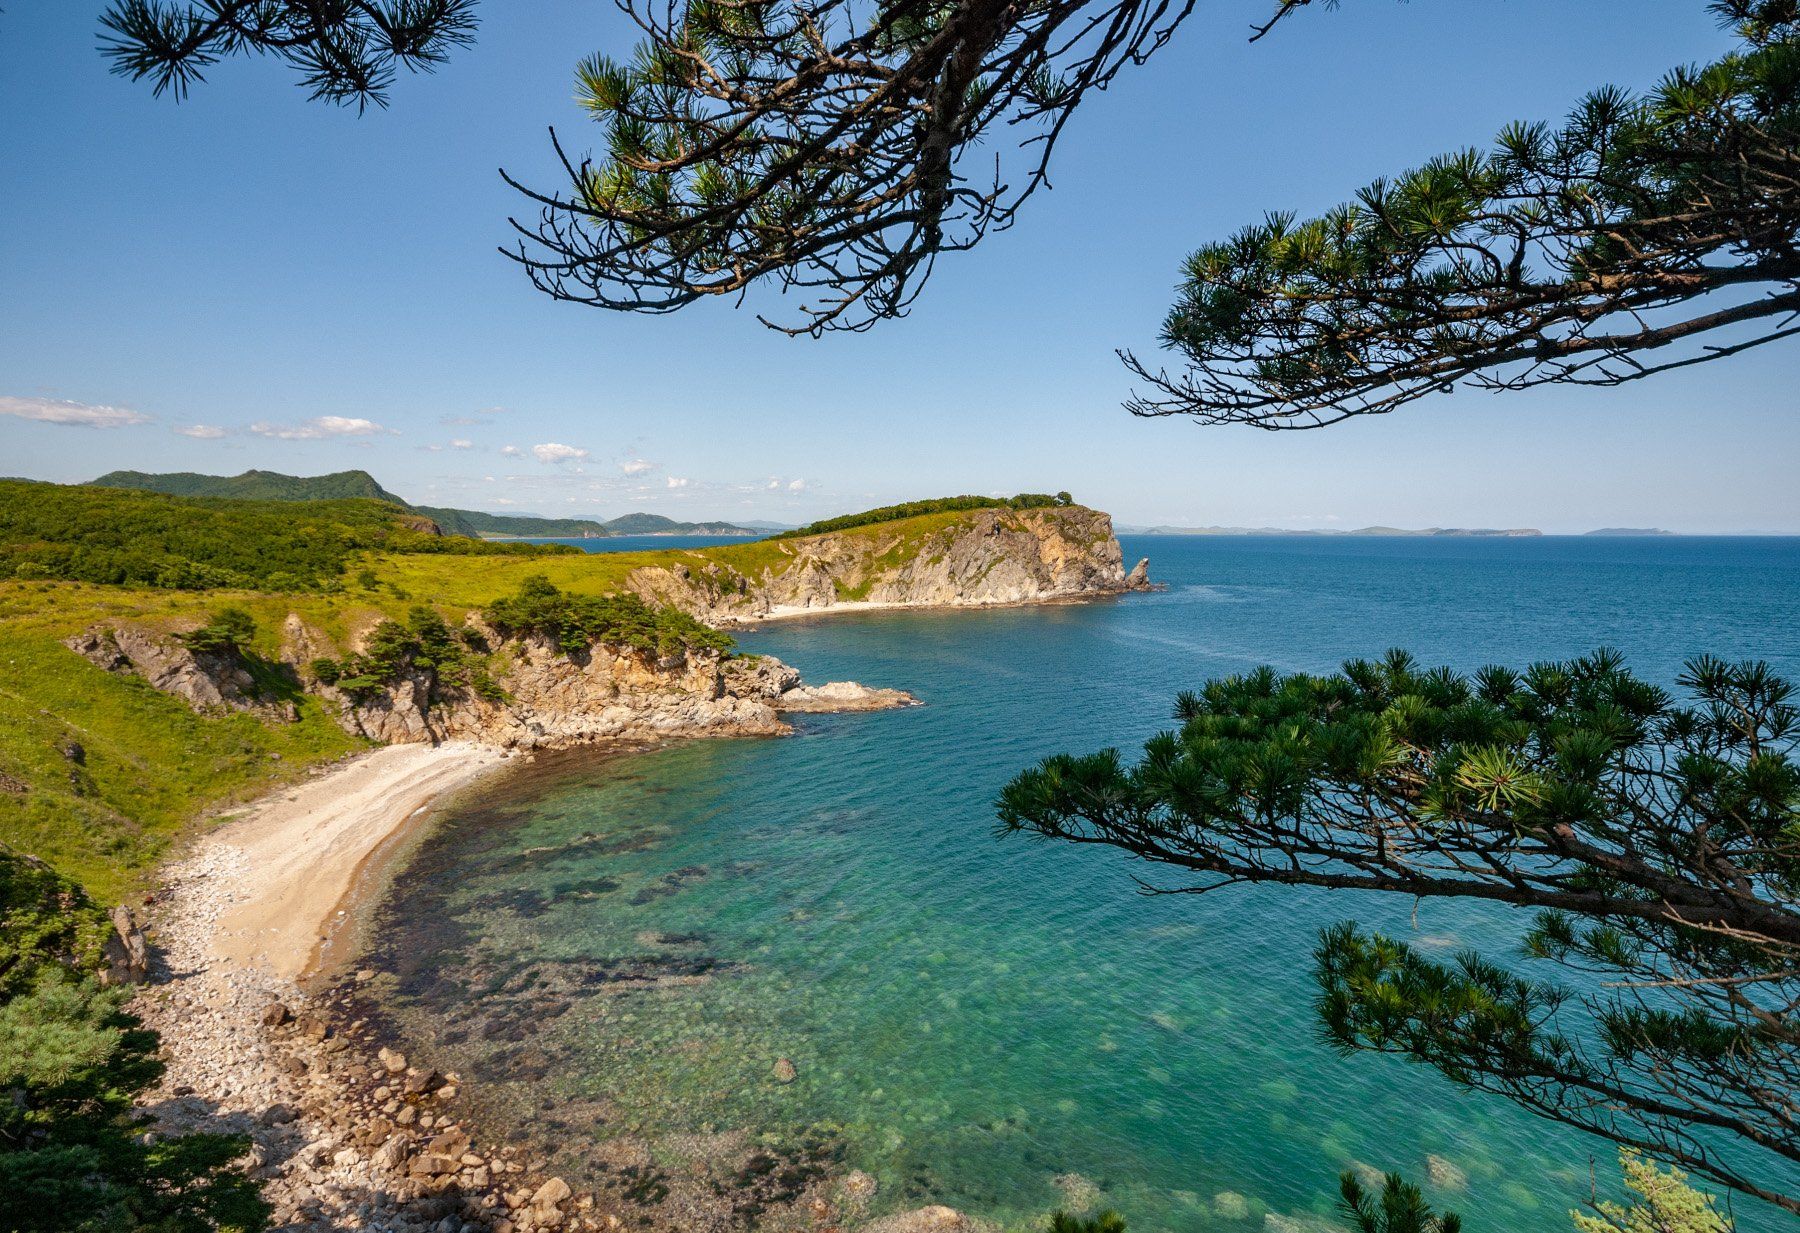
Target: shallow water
(630, 943)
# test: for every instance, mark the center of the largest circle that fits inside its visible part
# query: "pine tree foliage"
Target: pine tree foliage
(830, 147)
(1659, 839)
(345, 51)
(1665, 1203)
(75, 1155)
(1646, 233)
(1401, 1208)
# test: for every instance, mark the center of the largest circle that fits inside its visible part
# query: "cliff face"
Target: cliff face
(976, 558)
(554, 700)
(210, 683)
(548, 699)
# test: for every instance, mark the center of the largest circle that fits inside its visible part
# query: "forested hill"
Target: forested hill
(341, 485)
(122, 537)
(255, 485)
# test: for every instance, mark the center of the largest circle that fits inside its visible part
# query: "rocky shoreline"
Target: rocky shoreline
(345, 1135)
(348, 1133)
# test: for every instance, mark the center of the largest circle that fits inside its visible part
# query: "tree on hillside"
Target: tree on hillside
(1659, 841)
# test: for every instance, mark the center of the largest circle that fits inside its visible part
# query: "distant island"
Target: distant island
(1627, 531)
(342, 485)
(1483, 532)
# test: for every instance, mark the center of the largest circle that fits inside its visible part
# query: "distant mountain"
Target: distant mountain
(1631, 531)
(273, 486)
(474, 522)
(1379, 532)
(255, 485)
(656, 524)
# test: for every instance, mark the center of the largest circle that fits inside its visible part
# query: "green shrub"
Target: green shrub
(73, 1150)
(1105, 1222)
(45, 921)
(424, 643)
(1665, 1203)
(577, 622)
(937, 505)
(226, 631)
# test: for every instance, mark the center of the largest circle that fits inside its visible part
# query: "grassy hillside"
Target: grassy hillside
(146, 766)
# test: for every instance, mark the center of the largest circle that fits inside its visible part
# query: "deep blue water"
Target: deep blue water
(976, 1017)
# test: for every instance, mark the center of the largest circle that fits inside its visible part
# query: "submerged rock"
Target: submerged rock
(1445, 1174)
(1230, 1205)
(934, 1219)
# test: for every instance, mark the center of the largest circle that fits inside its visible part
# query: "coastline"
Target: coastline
(304, 848)
(258, 1041)
(343, 1132)
(789, 612)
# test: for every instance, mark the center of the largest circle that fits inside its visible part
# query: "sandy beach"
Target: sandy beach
(301, 849)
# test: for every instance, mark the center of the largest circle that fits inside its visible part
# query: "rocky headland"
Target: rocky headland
(978, 558)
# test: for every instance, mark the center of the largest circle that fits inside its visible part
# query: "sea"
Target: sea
(631, 945)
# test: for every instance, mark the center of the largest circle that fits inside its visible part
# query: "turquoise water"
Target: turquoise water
(627, 944)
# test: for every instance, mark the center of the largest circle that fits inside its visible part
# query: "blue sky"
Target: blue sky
(308, 290)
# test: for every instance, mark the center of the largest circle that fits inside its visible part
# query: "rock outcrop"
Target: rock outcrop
(555, 700)
(547, 699)
(983, 557)
(126, 952)
(208, 682)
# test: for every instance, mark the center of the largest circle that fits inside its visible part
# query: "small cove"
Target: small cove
(621, 947)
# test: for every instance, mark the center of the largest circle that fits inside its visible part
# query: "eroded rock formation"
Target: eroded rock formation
(554, 700)
(208, 682)
(997, 556)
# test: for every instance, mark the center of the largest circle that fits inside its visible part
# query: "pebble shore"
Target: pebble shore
(345, 1133)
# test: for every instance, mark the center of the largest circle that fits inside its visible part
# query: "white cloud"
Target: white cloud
(774, 484)
(318, 428)
(201, 432)
(79, 414)
(676, 481)
(798, 485)
(637, 466)
(552, 451)
(462, 444)
(511, 451)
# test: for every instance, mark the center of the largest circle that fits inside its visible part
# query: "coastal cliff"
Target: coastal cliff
(550, 699)
(539, 695)
(964, 559)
